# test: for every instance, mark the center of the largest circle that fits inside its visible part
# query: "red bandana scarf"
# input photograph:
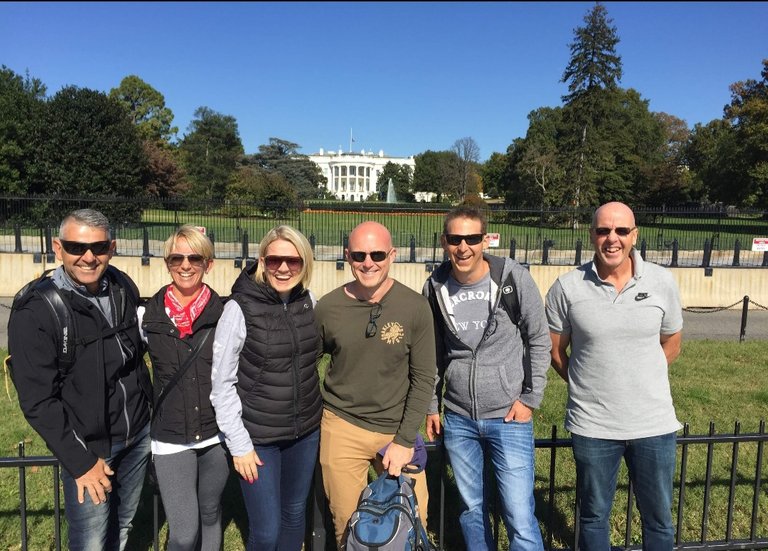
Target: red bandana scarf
(185, 316)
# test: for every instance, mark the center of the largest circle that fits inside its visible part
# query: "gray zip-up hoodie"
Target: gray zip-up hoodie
(484, 383)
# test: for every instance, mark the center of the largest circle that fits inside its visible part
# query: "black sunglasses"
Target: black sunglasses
(273, 262)
(175, 260)
(376, 256)
(370, 330)
(623, 232)
(455, 239)
(77, 248)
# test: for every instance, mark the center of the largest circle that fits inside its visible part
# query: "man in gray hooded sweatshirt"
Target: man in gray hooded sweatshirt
(492, 360)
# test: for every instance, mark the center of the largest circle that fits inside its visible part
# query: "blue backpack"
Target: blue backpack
(387, 518)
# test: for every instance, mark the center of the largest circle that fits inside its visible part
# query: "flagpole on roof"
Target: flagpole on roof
(350, 140)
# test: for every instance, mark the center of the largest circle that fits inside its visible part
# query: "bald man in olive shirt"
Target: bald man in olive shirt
(379, 383)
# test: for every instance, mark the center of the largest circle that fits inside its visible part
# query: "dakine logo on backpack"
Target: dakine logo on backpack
(44, 287)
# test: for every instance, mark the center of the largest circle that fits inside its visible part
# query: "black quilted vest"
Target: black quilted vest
(277, 378)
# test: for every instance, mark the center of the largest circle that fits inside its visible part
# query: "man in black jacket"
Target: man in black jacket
(93, 414)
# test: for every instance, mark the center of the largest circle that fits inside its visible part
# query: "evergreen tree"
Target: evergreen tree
(303, 175)
(211, 152)
(594, 62)
(87, 147)
(146, 107)
(594, 68)
(21, 105)
(401, 180)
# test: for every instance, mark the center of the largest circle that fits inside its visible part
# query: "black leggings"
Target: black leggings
(191, 483)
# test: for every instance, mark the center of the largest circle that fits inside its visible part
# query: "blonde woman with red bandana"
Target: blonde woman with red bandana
(190, 462)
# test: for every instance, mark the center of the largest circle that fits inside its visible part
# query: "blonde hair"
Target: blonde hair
(297, 239)
(196, 239)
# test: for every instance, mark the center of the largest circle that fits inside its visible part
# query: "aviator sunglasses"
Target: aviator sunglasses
(370, 330)
(376, 256)
(454, 239)
(175, 260)
(273, 262)
(79, 249)
(622, 232)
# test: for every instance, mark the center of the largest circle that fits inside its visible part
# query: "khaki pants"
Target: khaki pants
(346, 453)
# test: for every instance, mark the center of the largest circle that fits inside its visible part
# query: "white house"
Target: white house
(353, 176)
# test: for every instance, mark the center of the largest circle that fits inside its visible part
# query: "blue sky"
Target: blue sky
(405, 77)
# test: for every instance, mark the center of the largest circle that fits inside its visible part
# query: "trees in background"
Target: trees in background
(154, 123)
(146, 108)
(86, 146)
(468, 155)
(603, 143)
(282, 157)
(210, 153)
(449, 174)
(21, 105)
(436, 172)
(270, 189)
(729, 156)
(492, 173)
(402, 179)
(593, 71)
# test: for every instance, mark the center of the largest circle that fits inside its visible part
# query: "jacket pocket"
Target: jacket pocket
(495, 388)
(457, 383)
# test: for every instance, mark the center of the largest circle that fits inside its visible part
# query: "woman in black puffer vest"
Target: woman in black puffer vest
(266, 391)
(190, 462)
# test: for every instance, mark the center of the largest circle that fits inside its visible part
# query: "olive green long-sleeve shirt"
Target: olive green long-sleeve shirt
(383, 382)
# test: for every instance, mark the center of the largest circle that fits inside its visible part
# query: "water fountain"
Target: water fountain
(391, 195)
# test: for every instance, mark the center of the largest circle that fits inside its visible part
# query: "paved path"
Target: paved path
(722, 325)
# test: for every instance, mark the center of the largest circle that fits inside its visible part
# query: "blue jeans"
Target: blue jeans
(105, 526)
(651, 465)
(510, 448)
(277, 501)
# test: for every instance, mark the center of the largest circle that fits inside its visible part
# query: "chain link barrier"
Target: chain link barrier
(695, 310)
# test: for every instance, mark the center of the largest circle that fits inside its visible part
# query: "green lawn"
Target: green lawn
(328, 227)
(723, 382)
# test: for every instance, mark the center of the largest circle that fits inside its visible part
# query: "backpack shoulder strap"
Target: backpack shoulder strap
(511, 305)
(509, 300)
(61, 313)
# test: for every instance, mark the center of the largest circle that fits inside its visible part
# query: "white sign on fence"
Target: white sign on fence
(493, 239)
(760, 244)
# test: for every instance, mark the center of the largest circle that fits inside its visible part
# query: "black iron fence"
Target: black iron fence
(712, 236)
(722, 480)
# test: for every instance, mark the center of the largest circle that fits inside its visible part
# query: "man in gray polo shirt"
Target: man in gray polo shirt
(622, 318)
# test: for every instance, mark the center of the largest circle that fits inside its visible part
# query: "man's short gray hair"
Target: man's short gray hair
(86, 217)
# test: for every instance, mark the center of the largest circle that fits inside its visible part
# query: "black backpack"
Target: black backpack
(66, 337)
(44, 287)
